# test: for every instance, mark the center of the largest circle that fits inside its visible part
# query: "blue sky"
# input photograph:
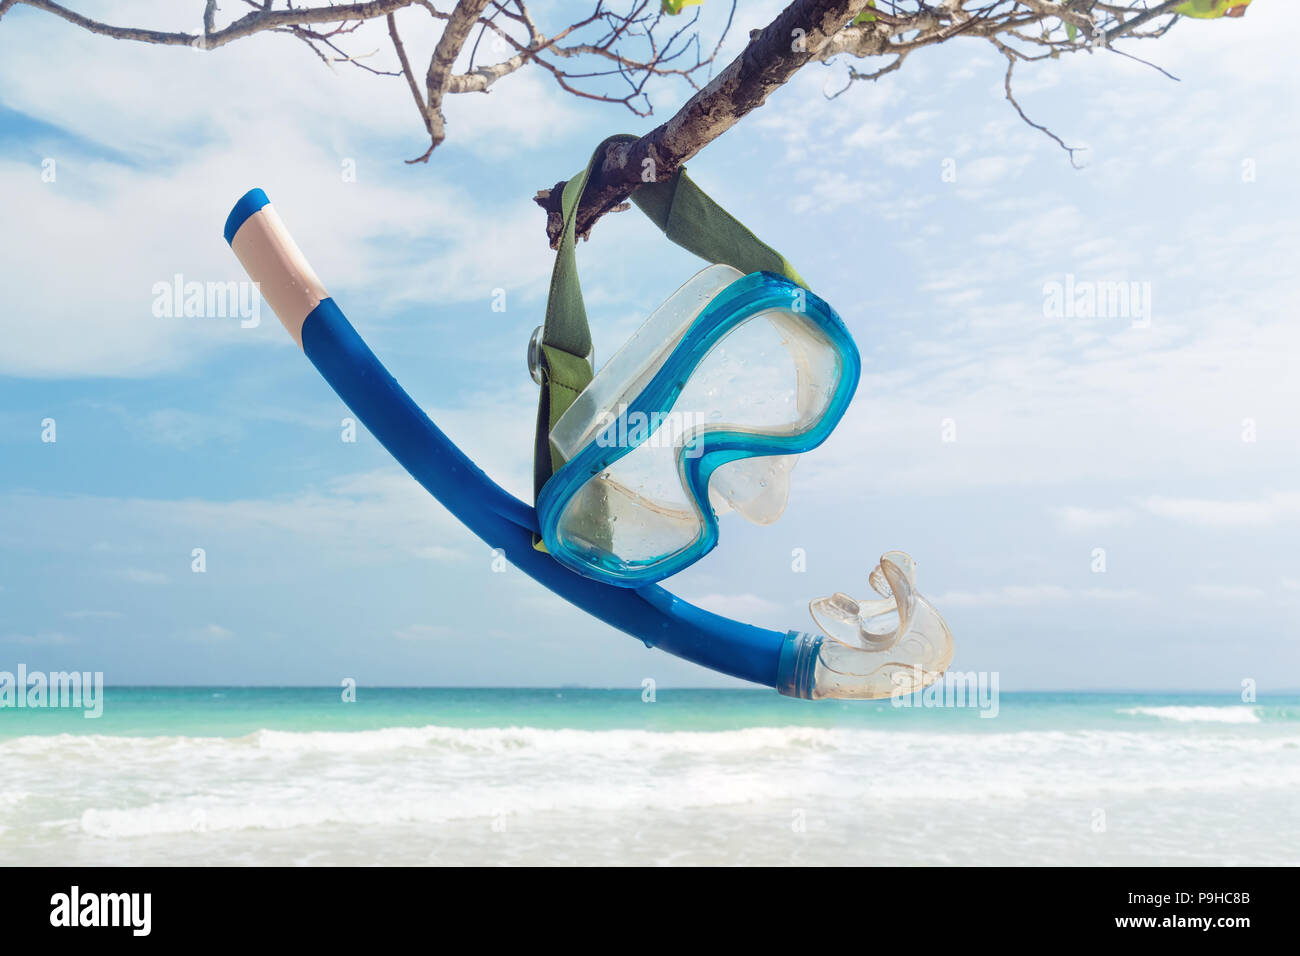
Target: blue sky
(920, 207)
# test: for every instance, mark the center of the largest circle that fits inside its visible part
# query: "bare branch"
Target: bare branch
(1126, 27)
(449, 46)
(610, 37)
(1006, 85)
(612, 56)
(1138, 59)
(256, 22)
(406, 71)
(1063, 26)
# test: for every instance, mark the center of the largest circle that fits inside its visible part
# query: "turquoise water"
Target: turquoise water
(236, 711)
(539, 776)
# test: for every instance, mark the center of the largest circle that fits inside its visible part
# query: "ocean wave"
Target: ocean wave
(823, 793)
(358, 795)
(10, 798)
(752, 742)
(1237, 714)
(499, 740)
(267, 808)
(506, 740)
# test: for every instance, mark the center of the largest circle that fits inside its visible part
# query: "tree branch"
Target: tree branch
(449, 46)
(612, 57)
(611, 37)
(772, 56)
(1006, 85)
(247, 25)
(1127, 27)
(406, 71)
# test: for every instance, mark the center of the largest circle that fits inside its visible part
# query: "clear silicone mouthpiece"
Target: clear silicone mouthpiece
(883, 647)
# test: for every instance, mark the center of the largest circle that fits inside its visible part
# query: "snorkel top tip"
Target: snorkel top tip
(249, 203)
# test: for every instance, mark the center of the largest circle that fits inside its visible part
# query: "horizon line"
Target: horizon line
(638, 688)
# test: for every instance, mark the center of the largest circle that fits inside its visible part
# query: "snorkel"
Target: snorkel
(878, 649)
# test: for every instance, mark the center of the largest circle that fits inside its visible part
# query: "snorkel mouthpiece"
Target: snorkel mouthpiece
(887, 647)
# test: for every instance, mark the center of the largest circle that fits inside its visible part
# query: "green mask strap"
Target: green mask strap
(564, 360)
(689, 218)
(695, 222)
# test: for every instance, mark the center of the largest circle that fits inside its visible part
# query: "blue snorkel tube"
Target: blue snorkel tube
(792, 662)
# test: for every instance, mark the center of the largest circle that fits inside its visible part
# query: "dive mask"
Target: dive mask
(703, 411)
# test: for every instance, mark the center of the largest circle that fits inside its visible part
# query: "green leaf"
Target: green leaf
(674, 7)
(1071, 31)
(865, 17)
(1212, 9)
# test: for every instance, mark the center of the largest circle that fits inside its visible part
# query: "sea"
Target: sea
(575, 776)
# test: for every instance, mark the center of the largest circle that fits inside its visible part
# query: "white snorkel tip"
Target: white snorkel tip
(273, 261)
(886, 647)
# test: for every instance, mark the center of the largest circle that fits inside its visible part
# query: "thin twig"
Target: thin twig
(1011, 65)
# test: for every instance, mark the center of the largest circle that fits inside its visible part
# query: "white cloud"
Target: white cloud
(1244, 513)
(975, 176)
(144, 95)
(1020, 595)
(44, 639)
(742, 607)
(141, 576)
(196, 131)
(422, 632)
(383, 243)
(1228, 592)
(1073, 518)
(208, 634)
(1009, 595)
(365, 517)
(1113, 594)
(184, 429)
(437, 552)
(523, 111)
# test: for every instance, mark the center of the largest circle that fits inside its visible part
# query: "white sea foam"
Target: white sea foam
(435, 741)
(9, 798)
(1217, 715)
(514, 739)
(306, 788)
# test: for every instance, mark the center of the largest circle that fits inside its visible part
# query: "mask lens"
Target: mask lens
(771, 376)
